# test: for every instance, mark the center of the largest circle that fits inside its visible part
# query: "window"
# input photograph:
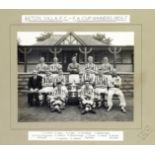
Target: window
(20, 57)
(119, 57)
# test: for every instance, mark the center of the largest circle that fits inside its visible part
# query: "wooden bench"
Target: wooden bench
(127, 82)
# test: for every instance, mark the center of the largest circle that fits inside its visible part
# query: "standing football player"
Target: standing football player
(42, 67)
(74, 69)
(54, 68)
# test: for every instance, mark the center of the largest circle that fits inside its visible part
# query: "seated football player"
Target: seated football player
(87, 76)
(42, 67)
(91, 66)
(74, 69)
(87, 98)
(60, 78)
(101, 91)
(59, 98)
(46, 91)
(54, 68)
(114, 89)
(34, 85)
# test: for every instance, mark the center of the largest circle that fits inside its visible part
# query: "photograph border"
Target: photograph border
(38, 125)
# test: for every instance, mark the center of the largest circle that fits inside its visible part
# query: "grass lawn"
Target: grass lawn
(71, 113)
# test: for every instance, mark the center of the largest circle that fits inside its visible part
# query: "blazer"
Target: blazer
(35, 83)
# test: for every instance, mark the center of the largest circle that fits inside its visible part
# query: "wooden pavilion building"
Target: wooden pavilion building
(65, 46)
(70, 44)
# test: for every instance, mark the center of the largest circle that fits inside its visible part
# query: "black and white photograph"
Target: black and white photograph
(75, 76)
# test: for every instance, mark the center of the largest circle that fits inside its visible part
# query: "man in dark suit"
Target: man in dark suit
(34, 85)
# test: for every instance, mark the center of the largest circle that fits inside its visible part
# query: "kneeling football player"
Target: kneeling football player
(87, 98)
(58, 98)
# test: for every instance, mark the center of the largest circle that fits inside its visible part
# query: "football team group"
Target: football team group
(94, 87)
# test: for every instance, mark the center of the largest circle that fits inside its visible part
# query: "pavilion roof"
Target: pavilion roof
(87, 40)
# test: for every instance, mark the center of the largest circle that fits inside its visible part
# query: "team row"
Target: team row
(95, 90)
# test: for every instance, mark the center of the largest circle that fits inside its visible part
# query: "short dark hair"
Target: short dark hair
(87, 81)
(59, 82)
